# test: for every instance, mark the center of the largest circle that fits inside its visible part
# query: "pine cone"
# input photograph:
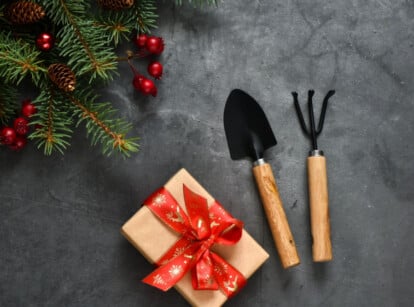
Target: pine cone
(62, 76)
(116, 4)
(24, 12)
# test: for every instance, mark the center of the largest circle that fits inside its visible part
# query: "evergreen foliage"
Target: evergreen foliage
(117, 27)
(101, 124)
(8, 105)
(86, 38)
(53, 120)
(84, 45)
(145, 11)
(18, 59)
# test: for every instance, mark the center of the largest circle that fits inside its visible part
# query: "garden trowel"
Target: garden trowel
(248, 135)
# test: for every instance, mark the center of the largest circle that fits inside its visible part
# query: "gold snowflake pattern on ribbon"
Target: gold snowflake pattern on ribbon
(175, 270)
(159, 200)
(220, 269)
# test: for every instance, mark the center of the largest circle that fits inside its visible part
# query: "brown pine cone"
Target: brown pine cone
(62, 76)
(24, 12)
(116, 4)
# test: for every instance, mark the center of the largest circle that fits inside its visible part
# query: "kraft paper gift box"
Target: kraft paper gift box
(153, 239)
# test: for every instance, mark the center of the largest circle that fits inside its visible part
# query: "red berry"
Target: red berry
(28, 108)
(7, 135)
(155, 44)
(136, 82)
(148, 87)
(21, 126)
(155, 69)
(141, 40)
(161, 48)
(19, 143)
(45, 41)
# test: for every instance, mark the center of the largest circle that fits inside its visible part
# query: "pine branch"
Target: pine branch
(117, 25)
(19, 59)
(84, 44)
(145, 14)
(52, 121)
(101, 126)
(60, 13)
(8, 106)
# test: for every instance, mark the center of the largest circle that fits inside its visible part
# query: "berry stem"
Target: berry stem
(130, 55)
(134, 70)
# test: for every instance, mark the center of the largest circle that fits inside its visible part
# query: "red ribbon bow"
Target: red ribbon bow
(200, 229)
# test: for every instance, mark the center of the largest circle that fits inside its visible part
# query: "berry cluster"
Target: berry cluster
(148, 45)
(15, 137)
(45, 41)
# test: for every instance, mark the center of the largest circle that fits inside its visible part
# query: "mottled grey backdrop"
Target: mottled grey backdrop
(60, 216)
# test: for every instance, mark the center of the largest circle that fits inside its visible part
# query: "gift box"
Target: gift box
(155, 239)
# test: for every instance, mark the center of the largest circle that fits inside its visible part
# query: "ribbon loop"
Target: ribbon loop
(200, 229)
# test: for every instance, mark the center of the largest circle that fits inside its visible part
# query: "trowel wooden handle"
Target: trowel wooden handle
(276, 216)
(319, 211)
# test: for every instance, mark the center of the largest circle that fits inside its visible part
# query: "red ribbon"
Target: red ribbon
(200, 229)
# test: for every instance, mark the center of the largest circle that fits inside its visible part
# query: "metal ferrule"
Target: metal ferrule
(259, 162)
(316, 153)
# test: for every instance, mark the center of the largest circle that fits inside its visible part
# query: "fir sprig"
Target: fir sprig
(117, 25)
(52, 121)
(146, 16)
(100, 124)
(85, 41)
(19, 59)
(84, 44)
(63, 11)
(8, 106)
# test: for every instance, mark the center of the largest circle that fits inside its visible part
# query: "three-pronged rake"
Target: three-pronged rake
(317, 181)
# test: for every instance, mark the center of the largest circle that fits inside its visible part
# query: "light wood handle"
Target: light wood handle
(276, 216)
(319, 211)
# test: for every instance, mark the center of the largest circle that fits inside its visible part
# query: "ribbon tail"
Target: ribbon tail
(167, 275)
(203, 274)
(229, 279)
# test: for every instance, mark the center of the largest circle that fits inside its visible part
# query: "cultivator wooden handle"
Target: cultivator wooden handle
(319, 209)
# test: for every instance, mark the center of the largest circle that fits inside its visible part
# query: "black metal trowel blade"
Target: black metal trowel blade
(247, 129)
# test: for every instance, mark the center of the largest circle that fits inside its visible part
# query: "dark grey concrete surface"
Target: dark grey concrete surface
(60, 216)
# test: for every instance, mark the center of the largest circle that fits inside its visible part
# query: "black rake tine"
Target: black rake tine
(312, 119)
(299, 113)
(323, 112)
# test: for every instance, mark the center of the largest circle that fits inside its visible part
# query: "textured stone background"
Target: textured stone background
(60, 216)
